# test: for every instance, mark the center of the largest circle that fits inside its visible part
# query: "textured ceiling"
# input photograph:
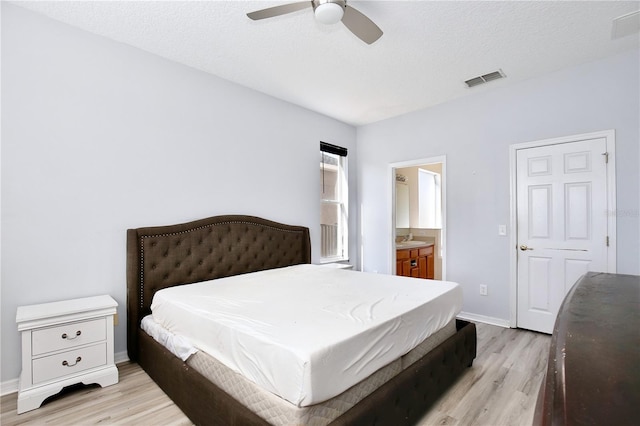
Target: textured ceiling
(428, 50)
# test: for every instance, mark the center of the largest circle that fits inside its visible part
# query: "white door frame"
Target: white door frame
(610, 137)
(392, 206)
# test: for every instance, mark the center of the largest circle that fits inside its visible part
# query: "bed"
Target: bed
(220, 247)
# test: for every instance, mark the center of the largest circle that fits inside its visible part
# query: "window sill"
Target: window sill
(337, 265)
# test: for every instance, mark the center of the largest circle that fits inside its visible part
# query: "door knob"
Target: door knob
(523, 248)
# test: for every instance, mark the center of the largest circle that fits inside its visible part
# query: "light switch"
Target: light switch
(502, 229)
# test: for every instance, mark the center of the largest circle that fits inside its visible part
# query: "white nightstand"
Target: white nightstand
(65, 343)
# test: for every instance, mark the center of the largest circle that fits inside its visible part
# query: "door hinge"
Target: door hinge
(606, 157)
(607, 241)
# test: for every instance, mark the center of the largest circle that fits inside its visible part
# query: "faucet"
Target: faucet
(407, 237)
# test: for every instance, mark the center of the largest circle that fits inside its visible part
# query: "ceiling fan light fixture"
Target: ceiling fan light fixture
(329, 13)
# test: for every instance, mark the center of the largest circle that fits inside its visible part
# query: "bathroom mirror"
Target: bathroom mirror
(402, 205)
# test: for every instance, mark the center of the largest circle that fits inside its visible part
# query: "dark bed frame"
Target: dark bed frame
(221, 246)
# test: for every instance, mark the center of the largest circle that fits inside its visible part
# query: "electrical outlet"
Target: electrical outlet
(483, 290)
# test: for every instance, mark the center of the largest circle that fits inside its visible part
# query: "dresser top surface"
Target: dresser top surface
(65, 307)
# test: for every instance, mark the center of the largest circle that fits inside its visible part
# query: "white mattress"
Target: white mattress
(277, 411)
(307, 332)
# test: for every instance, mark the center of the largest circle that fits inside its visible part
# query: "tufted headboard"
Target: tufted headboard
(216, 247)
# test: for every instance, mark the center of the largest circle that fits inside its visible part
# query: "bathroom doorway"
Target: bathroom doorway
(419, 213)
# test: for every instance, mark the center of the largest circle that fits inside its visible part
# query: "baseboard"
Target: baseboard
(11, 386)
(120, 357)
(484, 319)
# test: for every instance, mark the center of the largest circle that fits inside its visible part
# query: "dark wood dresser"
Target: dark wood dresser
(593, 371)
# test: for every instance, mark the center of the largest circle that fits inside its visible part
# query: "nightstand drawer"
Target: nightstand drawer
(68, 363)
(68, 336)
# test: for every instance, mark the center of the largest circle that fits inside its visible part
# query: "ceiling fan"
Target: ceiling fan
(328, 12)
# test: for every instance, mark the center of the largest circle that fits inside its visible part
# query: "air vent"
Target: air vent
(626, 25)
(485, 78)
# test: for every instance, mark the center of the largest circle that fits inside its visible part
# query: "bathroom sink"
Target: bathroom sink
(411, 244)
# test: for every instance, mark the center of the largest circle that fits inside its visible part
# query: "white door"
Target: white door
(561, 193)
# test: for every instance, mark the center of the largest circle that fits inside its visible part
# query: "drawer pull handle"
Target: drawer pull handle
(65, 336)
(65, 363)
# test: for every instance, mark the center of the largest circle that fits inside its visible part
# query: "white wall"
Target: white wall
(475, 133)
(98, 137)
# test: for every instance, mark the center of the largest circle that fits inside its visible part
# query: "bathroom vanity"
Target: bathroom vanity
(415, 259)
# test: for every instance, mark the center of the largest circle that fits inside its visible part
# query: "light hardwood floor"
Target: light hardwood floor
(500, 389)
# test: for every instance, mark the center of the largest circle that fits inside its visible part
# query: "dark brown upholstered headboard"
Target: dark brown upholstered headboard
(217, 247)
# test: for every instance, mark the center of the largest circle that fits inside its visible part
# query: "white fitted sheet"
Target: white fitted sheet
(307, 332)
(180, 346)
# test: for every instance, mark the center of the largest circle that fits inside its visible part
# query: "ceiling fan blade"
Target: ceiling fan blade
(270, 12)
(360, 25)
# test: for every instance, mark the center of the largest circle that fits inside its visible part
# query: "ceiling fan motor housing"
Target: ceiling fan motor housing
(329, 11)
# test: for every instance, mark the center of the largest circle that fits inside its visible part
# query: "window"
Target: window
(334, 210)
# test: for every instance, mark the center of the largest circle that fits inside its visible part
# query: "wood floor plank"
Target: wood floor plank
(499, 389)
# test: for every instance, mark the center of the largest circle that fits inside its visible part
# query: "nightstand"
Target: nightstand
(64, 343)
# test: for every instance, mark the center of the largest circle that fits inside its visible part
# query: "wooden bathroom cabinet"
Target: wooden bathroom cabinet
(415, 262)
